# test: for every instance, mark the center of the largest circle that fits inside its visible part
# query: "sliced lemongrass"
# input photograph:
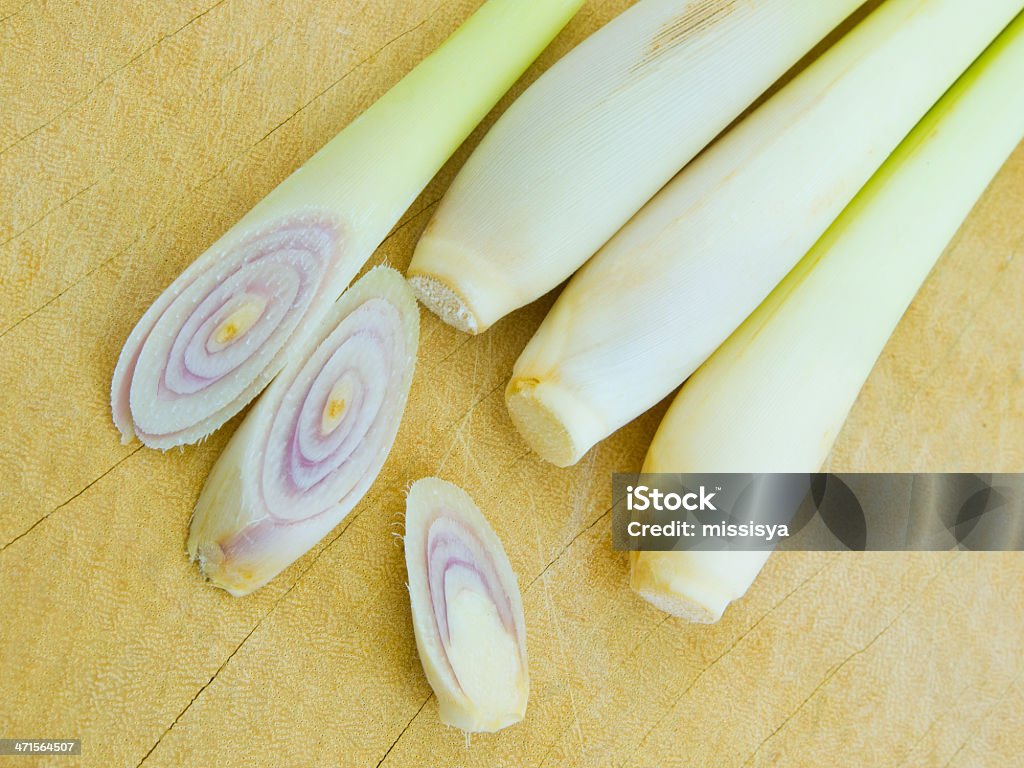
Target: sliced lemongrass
(774, 396)
(222, 330)
(314, 443)
(594, 138)
(696, 585)
(671, 286)
(466, 609)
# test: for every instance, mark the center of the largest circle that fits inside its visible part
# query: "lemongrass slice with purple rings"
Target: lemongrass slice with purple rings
(466, 609)
(206, 347)
(220, 332)
(314, 443)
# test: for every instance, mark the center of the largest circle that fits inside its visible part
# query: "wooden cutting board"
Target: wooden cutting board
(132, 134)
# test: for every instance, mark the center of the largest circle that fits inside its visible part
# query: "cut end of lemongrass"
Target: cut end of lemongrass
(314, 443)
(655, 580)
(467, 610)
(677, 605)
(445, 302)
(694, 585)
(537, 410)
(217, 336)
(457, 282)
(220, 571)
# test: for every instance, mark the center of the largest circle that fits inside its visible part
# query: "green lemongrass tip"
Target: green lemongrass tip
(431, 111)
(232, 321)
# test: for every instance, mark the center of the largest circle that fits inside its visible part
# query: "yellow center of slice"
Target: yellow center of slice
(237, 324)
(334, 410)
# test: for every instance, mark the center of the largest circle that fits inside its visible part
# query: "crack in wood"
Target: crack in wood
(63, 504)
(49, 212)
(104, 79)
(347, 523)
(835, 669)
(400, 735)
(723, 655)
(974, 731)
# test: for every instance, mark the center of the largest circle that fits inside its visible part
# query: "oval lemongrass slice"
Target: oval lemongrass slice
(682, 275)
(774, 396)
(314, 443)
(234, 318)
(466, 609)
(594, 138)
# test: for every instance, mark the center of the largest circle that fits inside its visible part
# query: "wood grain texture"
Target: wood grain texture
(131, 136)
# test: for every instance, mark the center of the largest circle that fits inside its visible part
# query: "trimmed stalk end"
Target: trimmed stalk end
(658, 579)
(217, 567)
(696, 585)
(537, 409)
(654, 584)
(444, 301)
(219, 538)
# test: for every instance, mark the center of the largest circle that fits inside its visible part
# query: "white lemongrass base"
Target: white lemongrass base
(595, 138)
(671, 286)
(775, 395)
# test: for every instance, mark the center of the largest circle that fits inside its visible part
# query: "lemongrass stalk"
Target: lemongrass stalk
(594, 138)
(775, 395)
(671, 286)
(222, 330)
(314, 443)
(466, 609)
